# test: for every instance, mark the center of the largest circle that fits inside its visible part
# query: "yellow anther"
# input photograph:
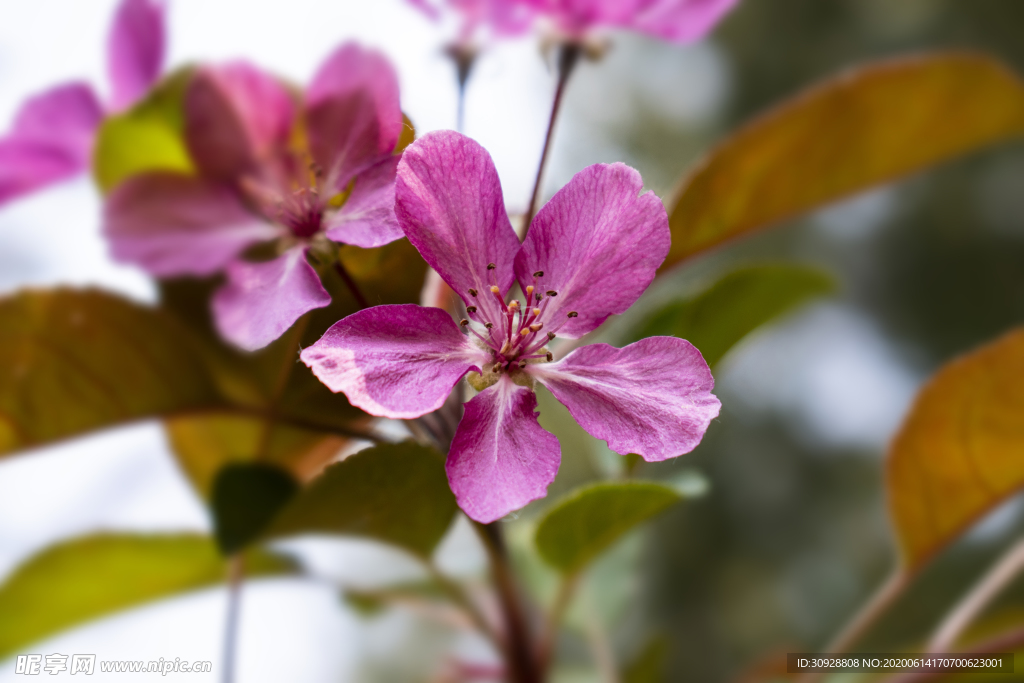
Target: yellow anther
(536, 327)
(529, 291)
(494, 289)
(536, 311)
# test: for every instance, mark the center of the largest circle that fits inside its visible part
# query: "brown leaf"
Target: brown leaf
(860, 129)
(960, 452)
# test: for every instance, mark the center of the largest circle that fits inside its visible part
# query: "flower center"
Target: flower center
(292, 191)
(515, 333)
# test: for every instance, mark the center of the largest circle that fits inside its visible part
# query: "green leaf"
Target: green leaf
(958, 453)
(396, 493)
(75, 361)
(719, 317)
(147, 137)
(587, 522)
(86, 578)
(854, 131)
(246, 498)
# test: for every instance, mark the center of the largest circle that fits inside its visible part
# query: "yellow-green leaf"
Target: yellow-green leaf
(719, 317)
(78, 360)
(396, 493)
(588, 521)
(859, 129)
(960, 451)
(90, 577)
(205, 443)
(147, 137)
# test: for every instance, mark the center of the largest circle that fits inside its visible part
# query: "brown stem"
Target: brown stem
(455, 592)
(858, 627)
(1006, 642)
(1005, 570)
(568, 56)
(464, 56)
(351, 284)
(549, 640)
(520, 659)
(236, 571)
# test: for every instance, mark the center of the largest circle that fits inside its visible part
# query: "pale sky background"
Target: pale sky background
(829, 369)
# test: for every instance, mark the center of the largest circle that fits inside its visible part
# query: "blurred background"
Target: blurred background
(791, 535)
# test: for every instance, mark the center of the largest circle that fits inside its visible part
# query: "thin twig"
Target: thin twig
(549, 639)
(351, 284)
(862, 622)
(1006, 642)
(518, 650)
(464, 56)
(1002, 573)
(460, 598)
(236, 571)
(568, 56)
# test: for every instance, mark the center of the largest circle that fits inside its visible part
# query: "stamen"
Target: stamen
(551, 292)
(536, 327)
(550, 356)
(529, 292)
(573, 314)
(539, 273)
(538, 295)
(525, 331)
(551, 335)
(464, 322)
(536, 312)
(491, 266)
(494, 289)
(488, 325)
(471, 309)
(513, 306)
(472, 292)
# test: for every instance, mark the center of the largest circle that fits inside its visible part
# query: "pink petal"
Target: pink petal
(680, 21)
(448, 201)
(426, 8)
(173, 224)
(394, 361)
(234, 116)
(352, 69)
(501, 458)
(367, 219)
(652, 398)
(135, 50)
(51, 140)
(262, 300)
(345, 137)
(599, 243)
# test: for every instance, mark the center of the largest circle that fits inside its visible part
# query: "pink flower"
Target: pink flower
(52, 136)
(590, 253)
(302, 174)
(500, 17)
(679, 21)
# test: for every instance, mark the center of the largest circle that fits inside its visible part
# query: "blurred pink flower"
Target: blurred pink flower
(301, 170)
(499, 17)
(590, 253)
(52, 136)
(679, 21)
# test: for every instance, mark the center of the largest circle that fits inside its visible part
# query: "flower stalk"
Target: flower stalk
(568, 56)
